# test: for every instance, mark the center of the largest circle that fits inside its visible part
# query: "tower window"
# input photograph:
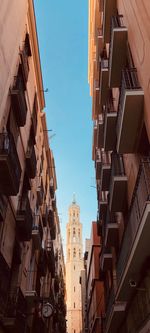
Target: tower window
(74, 305)
(74, 231)
(79, 254)
(74, 267)
(69, 254)
(74, 252)
(74, 289)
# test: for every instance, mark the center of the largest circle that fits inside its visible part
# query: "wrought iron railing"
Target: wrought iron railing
(140, 196)
(129, 82)
(8, 149)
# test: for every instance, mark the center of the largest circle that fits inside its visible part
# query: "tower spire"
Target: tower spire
(74, 199)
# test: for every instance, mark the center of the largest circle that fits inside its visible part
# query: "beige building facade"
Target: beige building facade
(74, 265)
(29, 220)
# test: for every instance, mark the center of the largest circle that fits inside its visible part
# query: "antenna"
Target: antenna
(74, 199)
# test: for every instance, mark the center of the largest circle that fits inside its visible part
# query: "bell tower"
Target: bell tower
(74, 265)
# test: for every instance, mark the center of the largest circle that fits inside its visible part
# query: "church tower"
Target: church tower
(74, 265)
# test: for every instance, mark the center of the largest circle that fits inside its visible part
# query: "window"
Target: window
(69, 254)
(80, 254)
(74, 267)
(74, 289)
(79, 233)
(74, 305)
(74, 253)
(74, 231)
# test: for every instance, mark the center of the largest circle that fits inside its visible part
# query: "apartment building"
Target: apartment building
(30, 290)
(118, 74)
(83, 282)
(94, 286)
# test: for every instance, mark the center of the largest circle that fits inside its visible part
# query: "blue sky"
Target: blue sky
(63, 40)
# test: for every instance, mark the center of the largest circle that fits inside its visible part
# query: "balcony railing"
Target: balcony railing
(52, 190)
(18, 99)
(25, 64)
(40, 190)
(5, 275)
(110, 118)
(24, 219)
(130, 111)
(45, 215)
(105, 170)
(99, 45)
(109, 10)
(103, 203)
(10, 169)
(118, 184)
(100, 132)
(110, 230)
(140, 196)
(3, 207)
(51, 257)
(37, 232)
(51, 221)
(42, 263)
(34, 116)
(103, 94)
(17, 253)
(16, 303)
(117, 60)
(31, 161)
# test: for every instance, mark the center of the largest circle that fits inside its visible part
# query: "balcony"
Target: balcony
(110, 230)
(25, 65)
(5, 275)
(100, 132)
(135, 251)
(99, 45)
(3, 207)
(109, 10)
(18, 101)
(31, 161)
(51, 222)
(117, 60)
(130, 111)
(115, 314)
(51, 188)
(24, 220)
(105, 260)
(42, 263)
(110, 118)
(99, 226)
(105, 170)
(54, 203)
(40, 190)
(51, 258)
(15, 311)
(34, 117)
(94, 143)
(31, 297)
(98, 165)
(9, 165)
(37, 233)
(17, 253)
(103, 94)
(25, 53)
(45, 215)
(103, 203)
(95, 99)
(118, 185)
